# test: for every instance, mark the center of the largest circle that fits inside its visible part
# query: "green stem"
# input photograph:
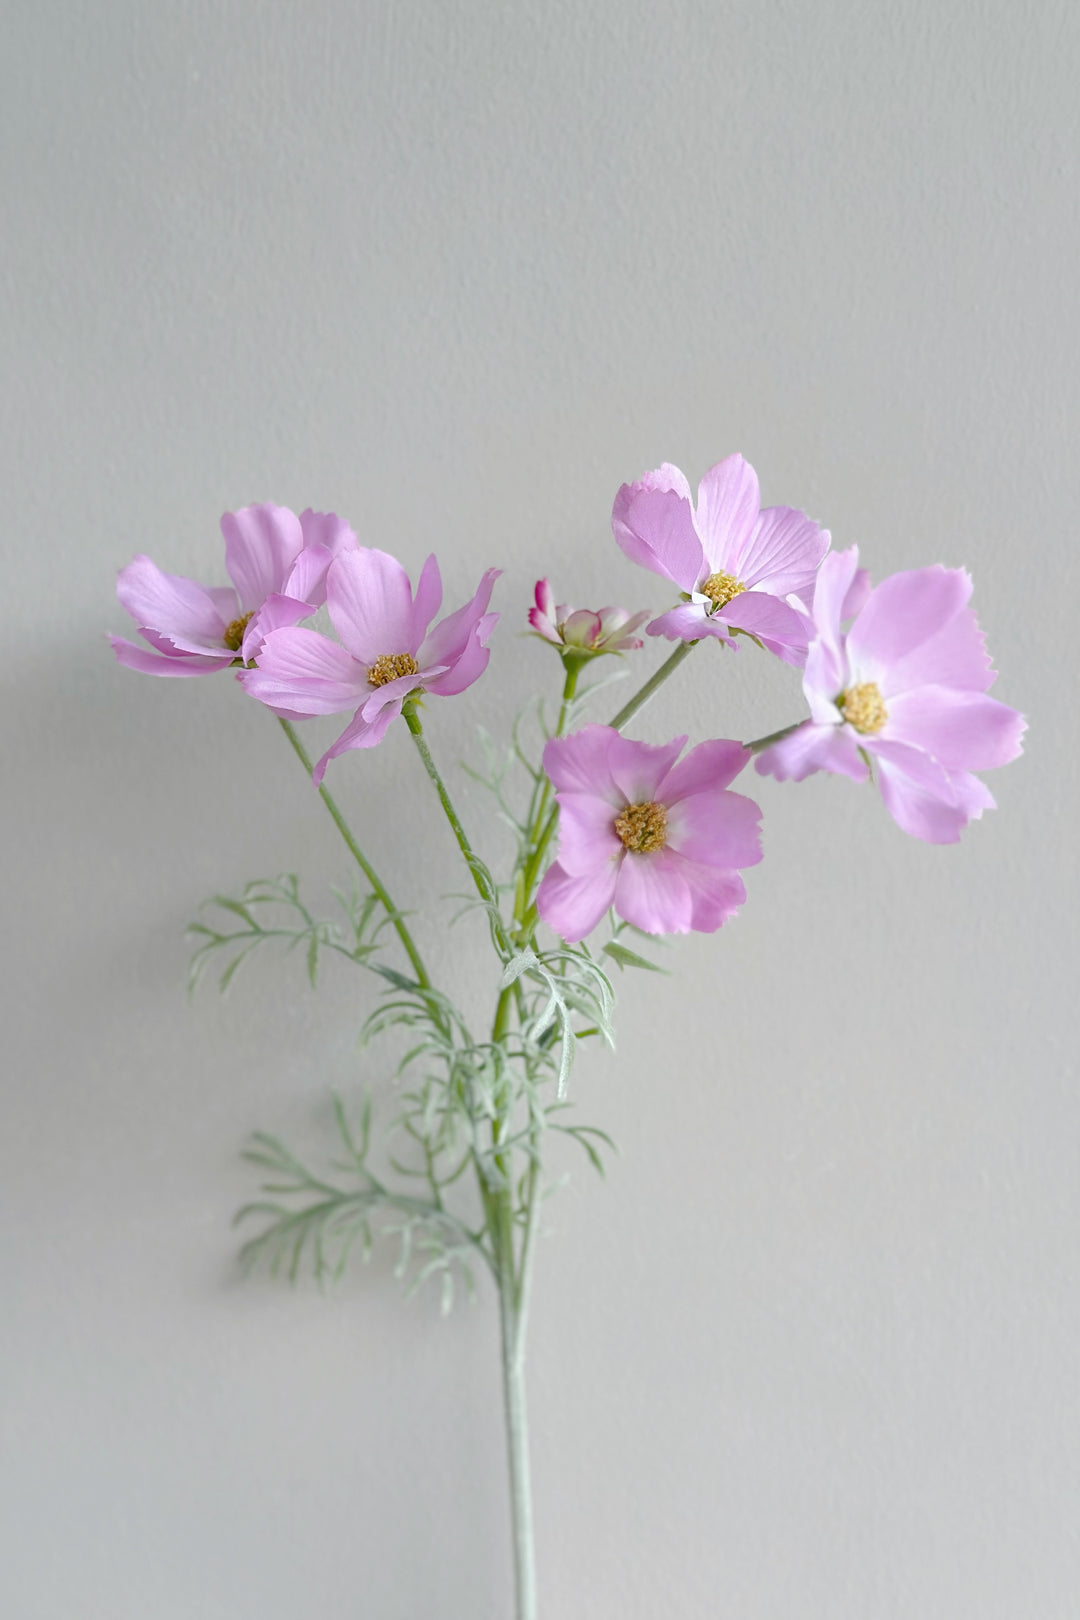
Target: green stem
(759, 743)
(377, 885)
(512, 1314)
(652, 685)
(484, 888)
(537, 819)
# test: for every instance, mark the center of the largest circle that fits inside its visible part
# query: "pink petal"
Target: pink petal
(638, 768)
(770, 619)
(582, 629)
(545, 599)
(826, 671)
(305, 672)
(579, 764)
(469, 664)
(616, 620)
(836, 584)
(155, 663)
(858, 594)
(452, 636)
(956, 656)
(716, 828)
(574, 905)
(729, 500)
(371, 605)
(901, 614)
(716, 896)
(276, 613)
(813, 748)
(178, 608)
(667, 478)
(261, 544)
(327, 530)
(915, 764)
(964, 730)
(306, 579)
(587, 836)
(713, 764)
(225, 600)
(359, 733)
(825, 676)
(655, 528)
(428, 599)
(689, 622)
(652, 893)
(784, 552)
(972, 794)
(917, 809)
(395, 691)
(544, 627)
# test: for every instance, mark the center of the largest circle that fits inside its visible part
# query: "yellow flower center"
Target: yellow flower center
(722, 589)
(863, 707)
(388, 666)
(642, 827)
(234, 632)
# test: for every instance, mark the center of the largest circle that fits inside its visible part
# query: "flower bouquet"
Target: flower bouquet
(616, 840)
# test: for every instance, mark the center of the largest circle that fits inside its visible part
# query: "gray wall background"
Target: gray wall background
(456, 272)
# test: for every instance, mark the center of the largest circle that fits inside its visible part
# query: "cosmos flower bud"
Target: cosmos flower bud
(608, 630)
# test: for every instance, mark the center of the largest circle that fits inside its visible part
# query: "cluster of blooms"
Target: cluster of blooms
(897, 674)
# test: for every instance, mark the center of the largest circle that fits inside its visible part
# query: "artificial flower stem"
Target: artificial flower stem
(378, 887)
(537, 817)
(500, 1214)
(483, 889)
(652, 685)
(759, 743)
(512, 1328)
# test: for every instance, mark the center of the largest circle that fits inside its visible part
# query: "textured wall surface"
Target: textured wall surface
(456, 271)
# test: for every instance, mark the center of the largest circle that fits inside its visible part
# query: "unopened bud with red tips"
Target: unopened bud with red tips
(608, 630)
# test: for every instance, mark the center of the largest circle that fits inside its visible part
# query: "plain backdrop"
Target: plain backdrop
(456, 271)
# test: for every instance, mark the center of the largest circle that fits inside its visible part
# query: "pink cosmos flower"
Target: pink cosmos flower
(659, 841)
(737, 564)
(277, 563)
(608, 630)
(906, 684)
(387, 649)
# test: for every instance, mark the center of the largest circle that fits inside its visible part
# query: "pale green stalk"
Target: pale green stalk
(759, 743)
(377, 886)
(499, 1210)
(514, 1263)
(483, 888)
(652, 685)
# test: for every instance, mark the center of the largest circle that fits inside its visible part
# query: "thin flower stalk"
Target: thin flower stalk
(378, 887)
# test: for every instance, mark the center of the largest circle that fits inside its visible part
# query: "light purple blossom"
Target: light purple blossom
(388, 649)
(277, 563)
(737, 564)
(906, 685)
(661, 842)
(608, 630)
